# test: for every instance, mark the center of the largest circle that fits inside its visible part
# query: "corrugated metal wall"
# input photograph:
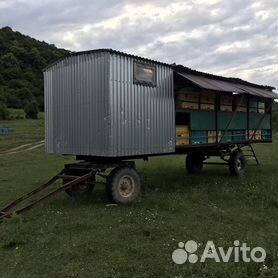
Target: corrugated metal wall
(76, 105)
(142, 117)
(93, 108)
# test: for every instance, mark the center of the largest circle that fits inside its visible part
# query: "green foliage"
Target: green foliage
(22, 60)
(4, 113)
(31, 110)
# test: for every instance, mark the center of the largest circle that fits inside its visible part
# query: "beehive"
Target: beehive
(182, 135)
(187, 105)
(212, 136)
(227, 108)
(207, 106)
(256, 136)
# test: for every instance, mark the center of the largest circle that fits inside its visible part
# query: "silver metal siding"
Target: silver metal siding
(142, 117)
(77, 105)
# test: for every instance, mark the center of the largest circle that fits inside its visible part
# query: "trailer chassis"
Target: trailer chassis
(84, 172)
(123, 182)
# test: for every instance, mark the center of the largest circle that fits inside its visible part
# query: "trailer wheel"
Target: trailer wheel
(194, 162)
(123, 185)
(84, 188)
(237, 163)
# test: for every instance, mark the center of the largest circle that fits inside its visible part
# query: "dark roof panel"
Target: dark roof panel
(211, 84)
(187, 70)
(227, 86)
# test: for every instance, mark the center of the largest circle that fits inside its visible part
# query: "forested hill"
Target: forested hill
(22, 59)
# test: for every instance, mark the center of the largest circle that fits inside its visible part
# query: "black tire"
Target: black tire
(194, 162)
(237, 163)
(123, 185)
(84, 188)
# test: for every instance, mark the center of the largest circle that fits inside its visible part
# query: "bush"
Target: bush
(31, 110)
(4, 113)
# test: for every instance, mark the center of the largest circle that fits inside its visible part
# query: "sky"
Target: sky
(234, 38)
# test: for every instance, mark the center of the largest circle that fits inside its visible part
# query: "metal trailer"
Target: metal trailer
(108, 108)
(95, 106)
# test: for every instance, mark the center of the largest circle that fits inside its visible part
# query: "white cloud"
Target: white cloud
(233, 47)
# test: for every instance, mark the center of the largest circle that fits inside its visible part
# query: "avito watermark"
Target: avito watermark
(186, 252)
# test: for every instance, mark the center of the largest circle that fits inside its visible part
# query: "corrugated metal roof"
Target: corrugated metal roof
(225, 86)
(202, 79)
(107, 50)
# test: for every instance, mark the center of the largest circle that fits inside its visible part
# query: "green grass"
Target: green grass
(85, 238)
(26, 131)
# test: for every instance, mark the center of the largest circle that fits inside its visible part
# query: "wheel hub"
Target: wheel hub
(239, 164)
(126, 186)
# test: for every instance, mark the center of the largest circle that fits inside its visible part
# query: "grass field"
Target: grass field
(86, 238)
(26, 131)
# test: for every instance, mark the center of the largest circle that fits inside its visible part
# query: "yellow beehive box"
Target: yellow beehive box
(207, 106)
(212, 133)
(182, 131)
(208, 98)
(212, 136)
(211, 140)
(226, 100)
(257, 135)
(228, 108)
(182, 141)
(242, 109)
(191, 97)
(187, 105)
